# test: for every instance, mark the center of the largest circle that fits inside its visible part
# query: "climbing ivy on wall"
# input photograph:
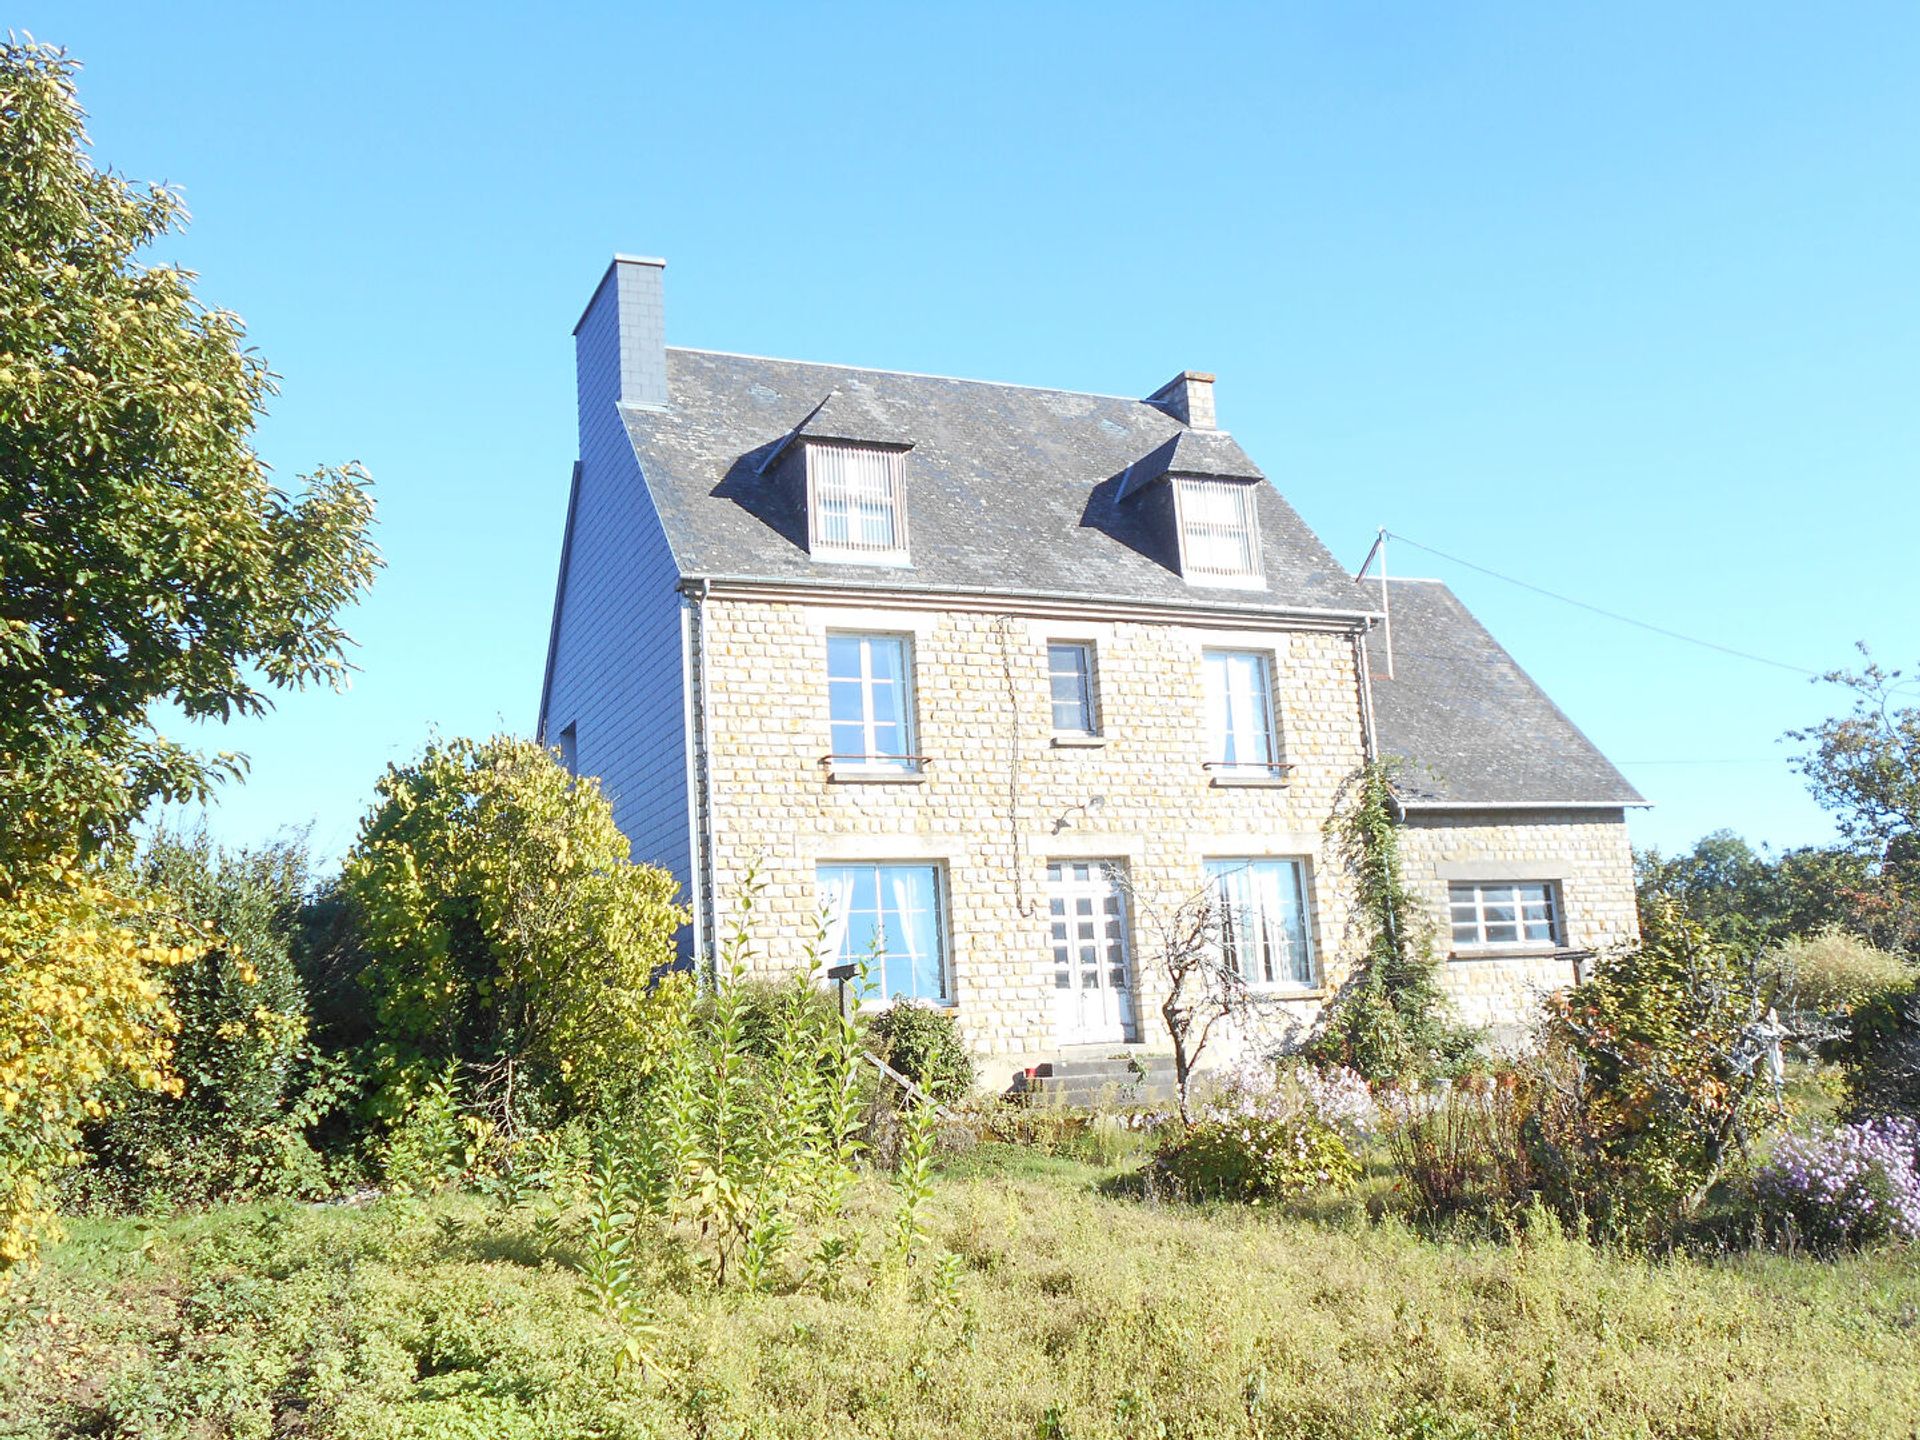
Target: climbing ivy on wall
(1391, 1018)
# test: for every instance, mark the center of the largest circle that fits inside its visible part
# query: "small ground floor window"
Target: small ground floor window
(1503, 912)
(888, 915)
(1264, 921)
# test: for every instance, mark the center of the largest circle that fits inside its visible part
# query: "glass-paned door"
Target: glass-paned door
(1092, 976)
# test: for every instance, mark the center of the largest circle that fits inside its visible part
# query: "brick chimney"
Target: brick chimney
(1188, 397)
(620, 344)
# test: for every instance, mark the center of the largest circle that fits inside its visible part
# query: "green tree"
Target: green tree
(505, 926)
(1755, 897)
(1864, 769)
(145, 557)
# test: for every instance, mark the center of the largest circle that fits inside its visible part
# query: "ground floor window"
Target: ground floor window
(890, 916)
(1264, 921)
(1504, 912)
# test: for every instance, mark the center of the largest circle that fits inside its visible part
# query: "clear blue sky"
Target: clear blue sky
(1618, 299)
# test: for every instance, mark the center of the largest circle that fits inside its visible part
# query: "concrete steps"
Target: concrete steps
(1102, 1083)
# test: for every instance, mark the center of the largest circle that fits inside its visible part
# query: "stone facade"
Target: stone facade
(1000, 798)
(1585, 855)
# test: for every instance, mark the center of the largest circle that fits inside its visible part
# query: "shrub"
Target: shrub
(83, 1004)
(250, 1083)
(1881, 1053)
(506, 927)
(1662, 1049)
(1257, 1158)
(424, 1151)
(1851, 1187)
(924, 1045)
(1833, 971)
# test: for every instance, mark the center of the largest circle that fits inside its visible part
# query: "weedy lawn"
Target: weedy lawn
(1066, 1312)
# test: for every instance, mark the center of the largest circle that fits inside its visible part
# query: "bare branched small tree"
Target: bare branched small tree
(1202, 985)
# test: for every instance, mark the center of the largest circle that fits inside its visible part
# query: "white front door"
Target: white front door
(1092, 981)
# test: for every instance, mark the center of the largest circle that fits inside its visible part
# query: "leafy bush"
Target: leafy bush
(83, 1004)
(923, 1044)
(506, 926)
(1851, 1187)
(1833, 971)
(1661, 1077)
(1881, 1052)
(1256, 1158)
(424, 1151)
(250, 1083)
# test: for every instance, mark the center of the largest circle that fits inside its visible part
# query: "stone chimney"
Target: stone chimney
(620, 344)
(1188, 397)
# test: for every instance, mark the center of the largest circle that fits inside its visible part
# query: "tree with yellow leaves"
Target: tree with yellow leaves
(145, 556)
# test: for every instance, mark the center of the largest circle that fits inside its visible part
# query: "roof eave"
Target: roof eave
(997, 598)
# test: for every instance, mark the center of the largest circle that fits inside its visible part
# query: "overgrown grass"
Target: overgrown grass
(1070, 1312)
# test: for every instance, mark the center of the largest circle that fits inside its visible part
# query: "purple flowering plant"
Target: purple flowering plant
(1856, 1185)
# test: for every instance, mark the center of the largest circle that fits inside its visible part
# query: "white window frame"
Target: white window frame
(1482, 896)
(1104, 887)
(871, 760)
(1217, 871)
(1090, 702)
(879, 996)
(840, 480)
(1220, 727)
(1206, 537)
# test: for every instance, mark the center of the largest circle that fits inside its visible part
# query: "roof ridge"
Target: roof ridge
(915, 375)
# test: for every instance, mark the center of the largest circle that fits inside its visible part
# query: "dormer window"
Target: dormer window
(1219, 531)
(856, 506)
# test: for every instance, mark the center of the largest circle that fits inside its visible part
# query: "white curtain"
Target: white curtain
(1271, 885)
(902, 938)
(1216, 677)
(1246, 710)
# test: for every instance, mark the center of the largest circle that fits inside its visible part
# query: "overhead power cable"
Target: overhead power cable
(1611, 614)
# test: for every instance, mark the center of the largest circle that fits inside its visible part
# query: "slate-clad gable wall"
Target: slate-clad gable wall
(617, 674)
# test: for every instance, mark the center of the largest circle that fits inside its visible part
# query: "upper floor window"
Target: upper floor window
(1501, 912)
(570, 749)
(857, 507)
(1070, 673)
(1263, 921)
(1219, 533)
(1241, 738)
(870, 701)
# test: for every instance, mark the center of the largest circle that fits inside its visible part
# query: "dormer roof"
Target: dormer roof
(1205, 454)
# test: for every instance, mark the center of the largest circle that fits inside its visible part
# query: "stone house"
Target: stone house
(978, 673)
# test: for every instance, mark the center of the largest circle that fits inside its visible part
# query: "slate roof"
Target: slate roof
(1009, 488)
(1472, 726)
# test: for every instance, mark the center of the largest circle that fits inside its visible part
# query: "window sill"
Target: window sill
(1276, 994)
(1249, 782)
(1074, 740)
(1515, 952)
(849, 776)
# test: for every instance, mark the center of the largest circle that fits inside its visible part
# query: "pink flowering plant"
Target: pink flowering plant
(1266, 1133)
(1857, 1185)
